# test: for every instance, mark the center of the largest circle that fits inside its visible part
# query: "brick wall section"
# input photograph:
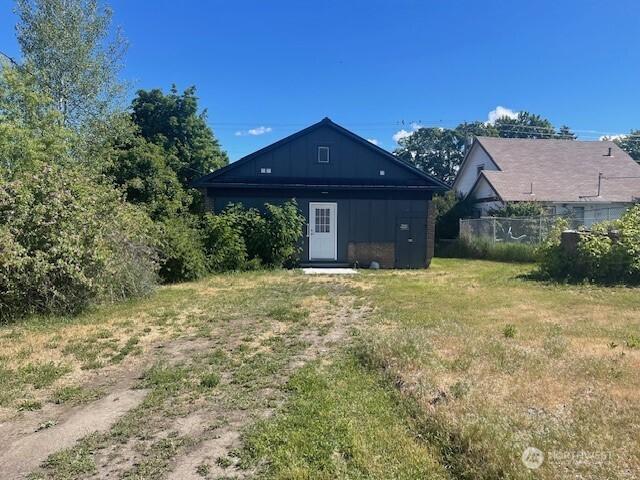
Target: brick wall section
(364, 253)
(431, 231)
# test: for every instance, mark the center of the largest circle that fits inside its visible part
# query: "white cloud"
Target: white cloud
(253, 131)
(400, 134)
(373, 140)
(500, 112)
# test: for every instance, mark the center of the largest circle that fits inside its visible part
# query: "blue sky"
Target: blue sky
(265, 69)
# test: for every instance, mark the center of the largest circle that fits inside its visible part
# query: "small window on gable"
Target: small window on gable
(382, 173)
(323, 154)
(265, 170)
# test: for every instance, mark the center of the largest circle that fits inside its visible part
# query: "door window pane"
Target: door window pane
(322, 220)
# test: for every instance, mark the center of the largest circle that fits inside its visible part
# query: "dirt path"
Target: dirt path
(179, 409)
(27, 441)
(210, 457)
(24, 446)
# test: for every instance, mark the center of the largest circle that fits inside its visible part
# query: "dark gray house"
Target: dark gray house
(360, 201)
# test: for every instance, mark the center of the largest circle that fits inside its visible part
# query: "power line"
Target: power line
(515, 128)
(415, 124)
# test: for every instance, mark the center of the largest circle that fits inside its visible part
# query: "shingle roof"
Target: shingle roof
(561, 170)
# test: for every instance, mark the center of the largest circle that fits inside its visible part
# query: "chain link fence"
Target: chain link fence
(533, 230)
(530, 230)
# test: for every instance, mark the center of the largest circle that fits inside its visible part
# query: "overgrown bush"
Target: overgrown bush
(182, 255)
(237, 239)
(272, 237)
(224, 246)
(67, 241)
(284, 231)
(481, 249)
(608, 253)
(553, 259)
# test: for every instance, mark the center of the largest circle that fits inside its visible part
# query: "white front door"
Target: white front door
(323, 232)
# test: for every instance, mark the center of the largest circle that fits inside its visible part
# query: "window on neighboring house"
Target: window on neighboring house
(323, 154)
(265, 170)
(578, 214)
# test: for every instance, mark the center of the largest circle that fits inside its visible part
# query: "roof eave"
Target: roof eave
(290, 186)
(475, 184)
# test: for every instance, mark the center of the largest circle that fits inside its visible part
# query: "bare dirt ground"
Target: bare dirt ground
(326, 332)
(178, 408)
(24, 447)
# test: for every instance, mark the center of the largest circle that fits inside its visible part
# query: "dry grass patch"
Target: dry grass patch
(40, 355)
(501, 363)
(220, 349)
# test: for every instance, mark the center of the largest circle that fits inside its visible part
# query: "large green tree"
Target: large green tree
(140, 169)
(630, 144)
(525, 125)
(74, 54)
(440, 151)
(30, 130)
(173, 121)
(436, 151)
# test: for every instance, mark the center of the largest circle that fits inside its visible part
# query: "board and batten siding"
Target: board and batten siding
(367, 227)
(382, 203)
(297, 159)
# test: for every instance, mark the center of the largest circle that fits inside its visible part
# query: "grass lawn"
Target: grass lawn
(446, 373)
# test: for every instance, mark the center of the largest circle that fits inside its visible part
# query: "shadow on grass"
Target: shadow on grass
(538, 276)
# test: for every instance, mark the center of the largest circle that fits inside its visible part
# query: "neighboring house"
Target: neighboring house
(361, 203)
(591, 181)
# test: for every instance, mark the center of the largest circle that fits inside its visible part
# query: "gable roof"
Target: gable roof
(553, 170)
(325, 122)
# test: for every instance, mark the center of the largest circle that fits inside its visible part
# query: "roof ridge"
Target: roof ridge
(326, 121)
(568, 140)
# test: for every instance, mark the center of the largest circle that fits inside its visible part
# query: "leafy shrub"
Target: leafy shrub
(519, 209)
(272, 237)
(236, 239)
(486, 250)
(182, 255)
(284, 224)
(609, 253)
(67, 241)
(553, 258)
(224, 246)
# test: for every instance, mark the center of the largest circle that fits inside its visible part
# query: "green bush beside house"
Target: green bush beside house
(237, 239)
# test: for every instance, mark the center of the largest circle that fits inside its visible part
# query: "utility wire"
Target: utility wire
(517, 129)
